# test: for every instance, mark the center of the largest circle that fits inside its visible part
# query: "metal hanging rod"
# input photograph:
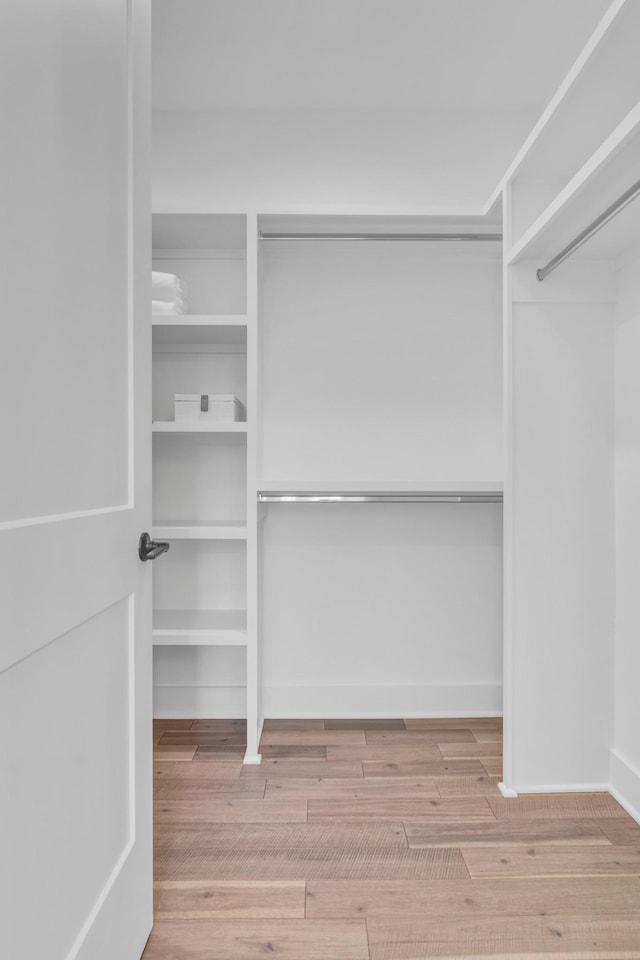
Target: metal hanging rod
(379, 498)
(589, 231)
(447, 237)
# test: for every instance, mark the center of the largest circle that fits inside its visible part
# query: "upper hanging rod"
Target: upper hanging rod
(589, 231)
(451, 237)
(379, 498)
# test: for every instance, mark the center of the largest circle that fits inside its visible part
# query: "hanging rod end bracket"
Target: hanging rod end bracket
(539, 275)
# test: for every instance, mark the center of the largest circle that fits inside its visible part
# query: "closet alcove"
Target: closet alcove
(368, 365)
(402, 367)
(381, 359)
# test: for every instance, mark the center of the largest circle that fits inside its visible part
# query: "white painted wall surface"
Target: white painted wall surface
(382, 610)
(320, 159)
(625, 755)
(381, 361)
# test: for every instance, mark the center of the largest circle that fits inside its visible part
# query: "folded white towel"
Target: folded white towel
(166, 286)
(163, 307)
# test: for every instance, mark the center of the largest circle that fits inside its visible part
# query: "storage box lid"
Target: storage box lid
(213, 397)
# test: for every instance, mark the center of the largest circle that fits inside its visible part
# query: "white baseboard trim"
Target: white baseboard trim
(507, 791)
(383, 701)
(562, 788)
(625, 783)
(172, 701)
(255, 758)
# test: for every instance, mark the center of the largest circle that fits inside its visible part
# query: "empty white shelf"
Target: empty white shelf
(200, 329)
(199, 627)
(200, 531)
(198, 426)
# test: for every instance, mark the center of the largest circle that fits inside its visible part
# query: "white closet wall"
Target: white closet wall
(382, 610)
(381, 361)
(381, 367)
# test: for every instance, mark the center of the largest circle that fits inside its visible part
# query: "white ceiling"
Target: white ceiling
(384, 54)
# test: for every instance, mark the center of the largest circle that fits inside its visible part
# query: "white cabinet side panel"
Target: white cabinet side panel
(625, 768)
(563, 549)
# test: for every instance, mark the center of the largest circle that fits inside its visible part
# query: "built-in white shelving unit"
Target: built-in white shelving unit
(201, 484)
(349, 360)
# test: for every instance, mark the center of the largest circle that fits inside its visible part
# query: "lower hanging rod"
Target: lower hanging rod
(435, 237)
(379, 498)
(588, 232)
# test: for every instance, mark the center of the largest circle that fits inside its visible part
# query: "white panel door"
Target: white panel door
(75, 648)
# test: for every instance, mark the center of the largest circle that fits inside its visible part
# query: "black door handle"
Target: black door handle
(149, 549)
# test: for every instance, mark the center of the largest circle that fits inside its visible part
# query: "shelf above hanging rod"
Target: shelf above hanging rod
(615, 208)
(379, 497)
(435, 237)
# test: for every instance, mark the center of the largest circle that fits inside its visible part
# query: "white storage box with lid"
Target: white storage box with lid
(209, 406)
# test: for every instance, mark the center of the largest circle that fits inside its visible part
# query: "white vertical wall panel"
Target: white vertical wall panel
(625, 757)
(563, 547)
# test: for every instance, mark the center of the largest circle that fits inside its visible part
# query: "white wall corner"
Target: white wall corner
(507, 791)
(625, 784)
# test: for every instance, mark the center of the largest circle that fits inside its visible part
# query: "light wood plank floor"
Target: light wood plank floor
(379, 840)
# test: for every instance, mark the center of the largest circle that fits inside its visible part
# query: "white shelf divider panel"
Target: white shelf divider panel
(198, 426)
(200, 628)
(227, 531)
(200, 329)
(200, 320)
